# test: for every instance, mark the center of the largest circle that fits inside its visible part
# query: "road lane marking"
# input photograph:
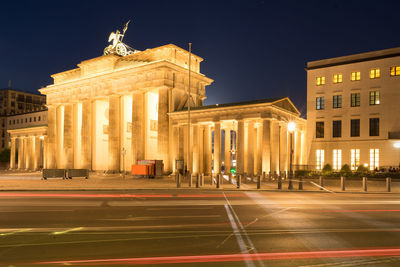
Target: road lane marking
(67, 231)
(16, 232)
(161, 217)
(239, 239)
(323, 188)
(240, 257)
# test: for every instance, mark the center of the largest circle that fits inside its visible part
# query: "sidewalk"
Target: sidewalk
(13, 180)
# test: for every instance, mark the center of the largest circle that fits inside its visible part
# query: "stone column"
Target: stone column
(266, 146)
(51, 142)
(68, 137)
(181, 142)
(258, 151)
(27, 152)
(207, 149)
(45, 151)
(12, 156)
(163, 126)
(227, 152)
(195, 149)
(138, 127)
(36, 152)
(283, 148)
(201, 149)
(86, 135)
(113, 133)
(274, 147)
(240, 148)
(217, 147)
(174, 146)
(250, 148)
(59, 137)
(297, 150)
(21, 153)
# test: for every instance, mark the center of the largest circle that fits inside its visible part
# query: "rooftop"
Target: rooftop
(21, 91)
(355, 58)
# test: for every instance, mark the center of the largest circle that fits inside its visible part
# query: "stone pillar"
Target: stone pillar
(12, 155)
(195, 149)
(274, 147)
(27, 152)
(68, 137)
(163, 126)
(297, 150)
(250, 148)
(86, 135)
(181, 142)
(45, 151)
(283, 148)
(114, 115)
(266, 145)
(227, 152)
(51, 142)
(21, 153)
(201, 149)
(174, 146)
(138, 127)
(259, 148)
(207, 149)
(240, 148)
(217, 147)
(59, 137)
(36, 152)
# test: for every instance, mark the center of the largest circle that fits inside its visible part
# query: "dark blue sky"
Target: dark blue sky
(252, 49)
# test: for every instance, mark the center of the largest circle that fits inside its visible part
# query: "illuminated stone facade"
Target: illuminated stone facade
(138, 103)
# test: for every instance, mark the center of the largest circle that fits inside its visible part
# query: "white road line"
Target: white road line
(67, 231)
(323, 188)
(239, 239)
(16, 232)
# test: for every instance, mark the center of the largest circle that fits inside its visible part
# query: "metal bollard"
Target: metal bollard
(279, 182)
(211, 178)
(300, 183)
(388, 184)
(238, 179)
(197, 180)
(176, 176)
(230, 177)
(202, 179)
(290, 185)
(343, 183)
(264, 177)
(275, 175)
(221, 178)
(269, 176)
(321, 183)
(244, 180)
(218, 180)
(189, 179)
(258, 181)
(364, 184)
(178, 180)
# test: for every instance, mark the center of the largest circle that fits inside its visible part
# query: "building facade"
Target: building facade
(138, 104)
(353, 115)
(13, 102)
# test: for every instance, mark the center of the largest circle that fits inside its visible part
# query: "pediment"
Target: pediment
(286, 104)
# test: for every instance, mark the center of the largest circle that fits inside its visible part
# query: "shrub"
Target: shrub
(362, 169)
(327, 169)
(302, 173)
(5, 155)
(345, 169)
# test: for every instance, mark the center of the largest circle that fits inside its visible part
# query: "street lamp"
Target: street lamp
(291, 129)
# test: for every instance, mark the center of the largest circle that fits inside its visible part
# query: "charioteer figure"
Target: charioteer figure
(118, 47)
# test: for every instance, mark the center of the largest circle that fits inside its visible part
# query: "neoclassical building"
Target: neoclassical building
(138, 104)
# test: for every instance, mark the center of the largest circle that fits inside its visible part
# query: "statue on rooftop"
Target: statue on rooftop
(118, 47)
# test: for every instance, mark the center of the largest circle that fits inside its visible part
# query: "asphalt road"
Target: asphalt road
(199, 228)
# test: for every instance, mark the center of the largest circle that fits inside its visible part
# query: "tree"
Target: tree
(5, 155)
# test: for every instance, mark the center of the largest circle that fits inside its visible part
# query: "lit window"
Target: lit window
(337, 159)
(320, 103)
(374, 98)
(355, 100)
(375, 73)
(320, 80)
(355, 159)
(320, 158)
(395, 71)
(373, 159)
(337, 78)
(337, 101)
(356, 76)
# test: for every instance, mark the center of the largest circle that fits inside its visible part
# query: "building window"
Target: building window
(337, 78)
(373, 159)
(337, 129)
(375, 73)
(12, 103)
(320, 103)
(320, 153)
(26, 120)
(319, 126)
(337, 101)
(395, 71)
(320, 80)
(355, 128)
(355, 159)
(34, 119)
(355, 100)
(374, 127)
(374, 98)
(337, 159)
(30, 119)
(39, 118)
(356, 76)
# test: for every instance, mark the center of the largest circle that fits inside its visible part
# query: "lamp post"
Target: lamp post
(291, 129)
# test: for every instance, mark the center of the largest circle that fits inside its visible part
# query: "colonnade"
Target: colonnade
(29, 152)
(258, 145)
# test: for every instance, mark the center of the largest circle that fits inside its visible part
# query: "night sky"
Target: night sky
(252, 49)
